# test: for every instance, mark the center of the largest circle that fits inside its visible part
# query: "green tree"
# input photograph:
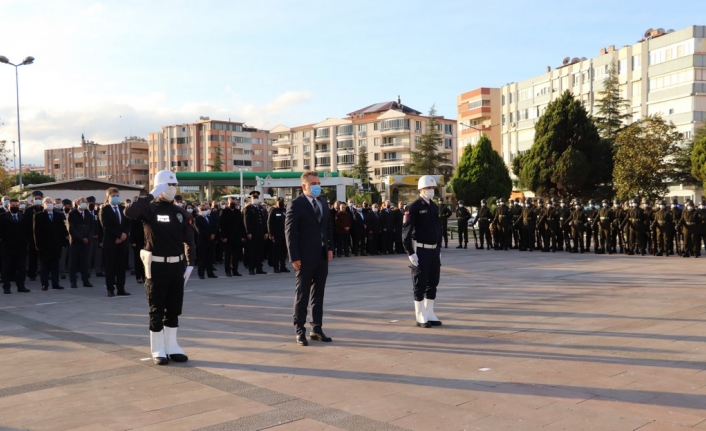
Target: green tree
(698, 155)
(644, 154)
(568, 157)
(32, 178)
(217, 165)
(6, 180)
(481, 173)
(612, 109)
(362, 168)
(427, 159)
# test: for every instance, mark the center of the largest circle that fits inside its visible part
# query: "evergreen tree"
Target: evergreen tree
(32, 178)
(644, 155)
(217, 165)
(426, 159)
(480, 174)
(568, 157)
(612, 109)
(698, 155)
(362, 169)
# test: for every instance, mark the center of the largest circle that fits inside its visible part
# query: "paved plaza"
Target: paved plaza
(548, 341)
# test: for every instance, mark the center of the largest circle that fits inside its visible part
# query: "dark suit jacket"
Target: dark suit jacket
(303, 231)
(358, 223)
(255, 224)
(386, 221)
(374, 225)
(97, 228)
(205, 229)
(231, 225)
(14, 236)
(80, 227)
(112, 227)
(275, 223)
(50, 236)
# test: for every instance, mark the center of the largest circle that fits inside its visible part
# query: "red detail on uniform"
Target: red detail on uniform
(406, 216)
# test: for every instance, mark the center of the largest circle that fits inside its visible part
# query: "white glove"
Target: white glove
(159, 189)
(414, 259)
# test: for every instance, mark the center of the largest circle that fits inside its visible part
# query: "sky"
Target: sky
(118, 68)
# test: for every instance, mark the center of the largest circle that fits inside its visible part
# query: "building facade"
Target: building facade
(479, 114)
(194, 147)
(125, 162)
(388, 131)
(663, 73)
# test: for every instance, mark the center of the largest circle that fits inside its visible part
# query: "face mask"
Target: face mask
(562, 205)
(460, 205)
(14, 210)
(691, 208)
(483, 205)
(205, 213)
(67, 210)
(661, 207)
(674, 206)
(375, 210)
(549, 205)
(429, 193)
(351, 204)
(37, 201)
(315, 190)
(578, 207)
(49, 207)
(22, 206)
(255, 201)
(605, 205)
(180, 204)
(115, 200)
(92, 207)
(189, 210)
(223, 206)
(82, 205)
(169, 193)
(360, 210)
(6, 202)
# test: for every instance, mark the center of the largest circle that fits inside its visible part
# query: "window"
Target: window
(344, 130)
(622, 66)
(257, 152)
(418, 126)
(448, 128)
(242, 163)
(396, 124)
(510, 97)
(257, 163)
(448, 143)
(478, 103)
(361, 143)
(376, 142)
(306, 134)
(323, 132)
(503, 119)
(636, 62)
(362, 127)
(257, 141)
(295, 149)
(502, 100)
(376, 126)
(376, 157)
(348, 159)
(78, 165)
(344, 145)
(417, 140)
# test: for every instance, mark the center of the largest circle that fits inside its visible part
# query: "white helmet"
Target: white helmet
(165, 177)
(426, 181)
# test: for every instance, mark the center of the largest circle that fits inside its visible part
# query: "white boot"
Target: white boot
(420, 314)
(159, 355)
(174, 352)
(429, 312)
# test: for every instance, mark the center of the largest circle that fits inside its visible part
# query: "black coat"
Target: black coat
(112, 227)
(205, 229)
(14, 236)
(275, 222)
(50, 236)
(386, 221)
(358, 223)
(304, 232)
(255, 223)
(374, 225)
(80, 227)
(231, 225)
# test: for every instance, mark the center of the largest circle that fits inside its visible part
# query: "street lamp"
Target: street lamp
(26, 61)
(241, 184)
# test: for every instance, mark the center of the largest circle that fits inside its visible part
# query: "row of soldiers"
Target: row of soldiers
(634, 227)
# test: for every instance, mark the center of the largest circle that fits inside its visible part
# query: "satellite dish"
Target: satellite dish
(660, 31)
(583, 59)
(575, 60)
(648, 32)
(671, 30)
(566, 61)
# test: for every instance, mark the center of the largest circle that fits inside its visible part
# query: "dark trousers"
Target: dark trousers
(49, 266)
(278, 253)
(462, 234)
(505, 237)
(578, 239)
(233, 251)
(165, 294)
(357, 243)
(373, 240)
(95, 256)
(605, 239)
(79, 259)
(310, 282)
(445, 230)
(256, 251)
(14, 268)
(342, 243)
(485, 235)
(528, 239)
(204, 257)
(115, 260)
(137, 262)
(425, 276)
(32, 261)
(399, 248)
(386, 242)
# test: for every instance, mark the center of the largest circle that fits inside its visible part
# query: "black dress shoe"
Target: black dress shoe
(277, 271)
(74, 286)
(45, 287)
(88, 284)
(111, 294)
(7, 291)
(178, 357)
(23, 290)
(212, 276)
(58, 287)
(259, 271)
(123, 293)
(284, 269)
(63, 277)
(424, 325)
(252, 272)
(301, 340)
(228, 274)
(319, 336)
(160, 360)
(237, 274)
(202, 277)
(100, 274)
(435, 322)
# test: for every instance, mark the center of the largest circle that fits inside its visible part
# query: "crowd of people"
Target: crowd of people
(634, 227)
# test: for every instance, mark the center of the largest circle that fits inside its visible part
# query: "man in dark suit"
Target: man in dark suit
(206, 228)
(233, 236)
(95, 255)
(309, 233)
(275, 227)
(387, 228)
(34, 207)
(15, 231)
(374, 228)
(116, 231)
(256, 230)
(80, 235)
(50, 236)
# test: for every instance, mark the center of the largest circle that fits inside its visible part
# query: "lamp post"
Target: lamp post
(14, 157)
(241, 184)
(26, 61)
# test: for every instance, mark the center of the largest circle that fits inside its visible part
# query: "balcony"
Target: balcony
(322, 138)
(285, 156)
(282, 142)
(345, 149)
(395, 160)
(345, 164)
(395, 144)
(281, 168)
(324, 151)
(394, 132)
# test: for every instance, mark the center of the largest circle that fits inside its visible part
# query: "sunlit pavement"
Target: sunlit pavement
(550, 341)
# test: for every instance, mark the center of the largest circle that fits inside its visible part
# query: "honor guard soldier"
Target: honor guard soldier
(663, 226)
(444, 214)
(168, 255)
(421, 236)
(604, 222)
(649, 233)
(275, 225)
(528, 224)
(591, 233)
(676, 216)
(256, 230)
(462, 215)
(564, 236)
(577, 221)
(617, 237)
(516, 211)
(689, 223)
(635, 221)
(502, 220)
(483, 219)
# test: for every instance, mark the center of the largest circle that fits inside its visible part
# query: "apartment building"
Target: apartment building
(123, 163)
(193, 147)
(388, 130)
(662, 73)
(478, 115)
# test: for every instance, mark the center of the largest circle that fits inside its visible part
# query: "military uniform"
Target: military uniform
(676, 216)
(502, 220)
(516, 212)
(603, 224)
(577, 221)
(528, 223)
(275, 227)
(591, 233)
(564, 232)
(444, 214)
(483, 219)
(663, 226)
(255, 229)
(462, 215)
(616, 234)
(689, 223)
(635, 221)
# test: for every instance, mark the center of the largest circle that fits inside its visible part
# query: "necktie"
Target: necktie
(117, 214)
(51, 217)
(206, 218)
(14, 216)
(317, 210)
